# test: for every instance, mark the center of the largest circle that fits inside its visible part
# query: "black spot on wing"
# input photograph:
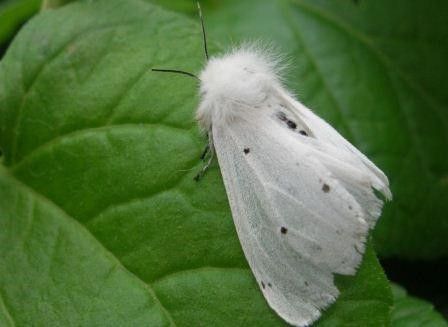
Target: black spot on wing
(269, 284)
(263, 285)
(246, 150)
(291, 124)
(283, 230)
(326, 188)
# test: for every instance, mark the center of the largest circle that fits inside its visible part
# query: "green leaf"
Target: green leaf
(54, 272)
(13, 13)
(185, 6)
(409, 311)
(375, 69)
(51, 4)
(101, 222)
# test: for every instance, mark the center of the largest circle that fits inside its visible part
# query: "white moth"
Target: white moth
(302, 197)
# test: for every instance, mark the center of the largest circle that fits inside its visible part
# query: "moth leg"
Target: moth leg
(204, 168)
(209, 150)
(205, 152)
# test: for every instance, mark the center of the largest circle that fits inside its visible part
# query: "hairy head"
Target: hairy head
(239, 80)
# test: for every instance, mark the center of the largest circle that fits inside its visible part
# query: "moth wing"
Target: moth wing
(327, 134)
(297, 222)
(332, 146)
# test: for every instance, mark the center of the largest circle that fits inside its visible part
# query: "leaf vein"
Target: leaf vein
(47, 200)
(5, 310)
(81, 132)
(32, 81)
(364, 39)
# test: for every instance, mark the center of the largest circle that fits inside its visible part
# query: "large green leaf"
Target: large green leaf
(376, 69)
(54, 272)
(101, 222)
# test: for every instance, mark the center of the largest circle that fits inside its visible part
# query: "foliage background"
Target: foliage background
(92, 198)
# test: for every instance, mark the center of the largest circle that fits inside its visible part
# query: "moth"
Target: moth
(302, 197)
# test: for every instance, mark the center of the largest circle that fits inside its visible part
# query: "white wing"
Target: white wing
(327, 134)
(302, 204)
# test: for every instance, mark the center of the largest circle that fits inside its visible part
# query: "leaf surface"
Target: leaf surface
(410, 311)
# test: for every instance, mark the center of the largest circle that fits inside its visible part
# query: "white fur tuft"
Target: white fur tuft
(239, 80)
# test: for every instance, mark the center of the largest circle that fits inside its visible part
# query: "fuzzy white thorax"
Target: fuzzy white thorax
(233, 83)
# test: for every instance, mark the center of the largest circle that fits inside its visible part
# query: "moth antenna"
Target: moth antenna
(203, 30)
(175, 71)
(205, 50)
